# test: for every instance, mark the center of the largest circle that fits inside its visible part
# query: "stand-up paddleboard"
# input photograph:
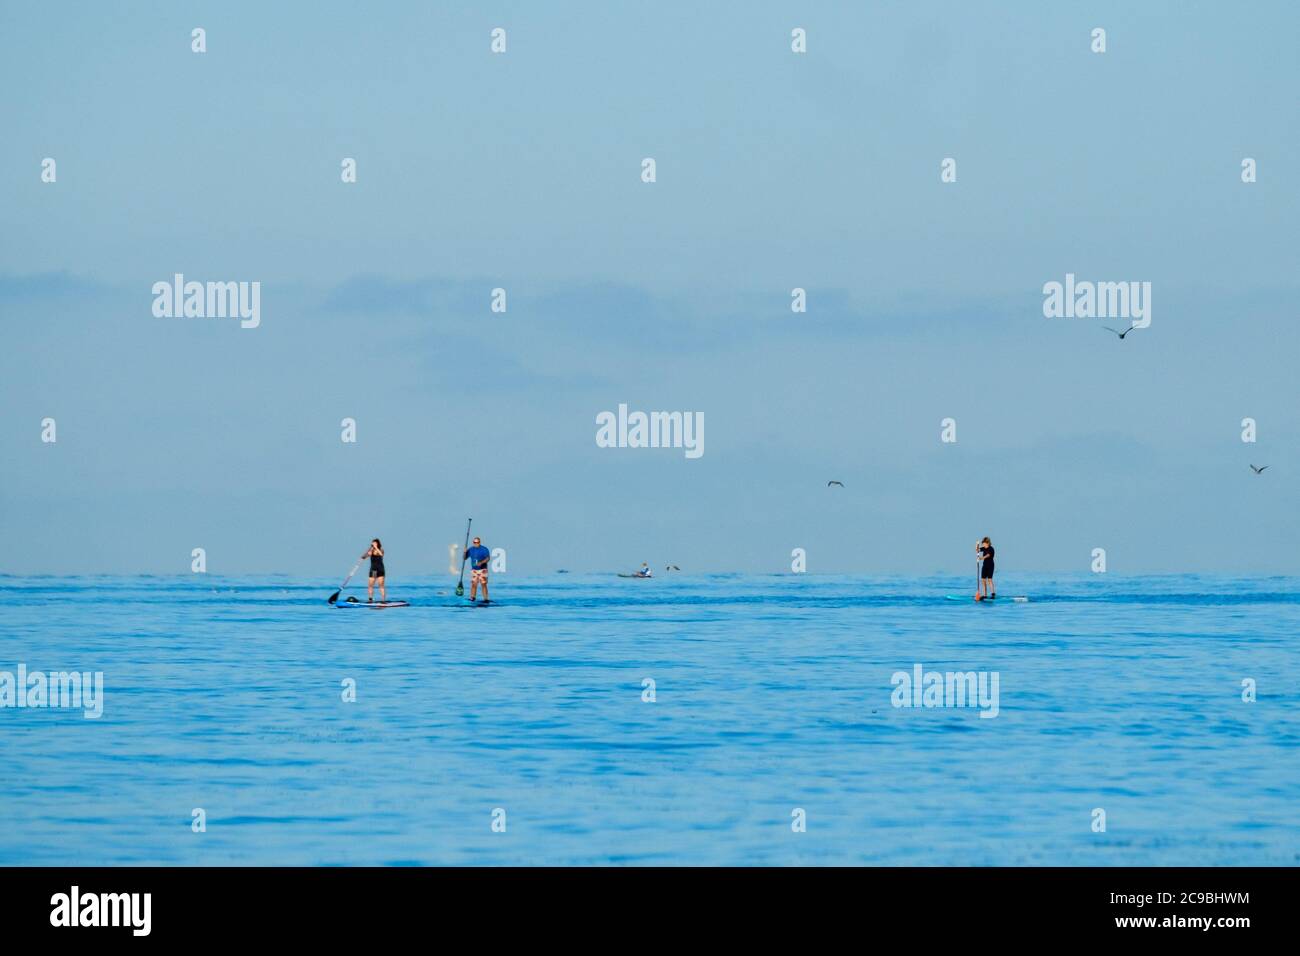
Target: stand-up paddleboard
(373, 605)
(970, 600)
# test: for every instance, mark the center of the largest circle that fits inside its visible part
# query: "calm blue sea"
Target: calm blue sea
(772, 693)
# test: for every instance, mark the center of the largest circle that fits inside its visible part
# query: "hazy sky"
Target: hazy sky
(775, 170)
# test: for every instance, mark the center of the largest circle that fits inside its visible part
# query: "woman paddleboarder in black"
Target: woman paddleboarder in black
(376, 556)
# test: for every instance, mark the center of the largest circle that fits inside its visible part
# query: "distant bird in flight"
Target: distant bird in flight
(672, 567)
(1258, 470)
(1118, 332)
(829, 483)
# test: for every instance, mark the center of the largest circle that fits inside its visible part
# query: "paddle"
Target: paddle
(335, 596)
(460, 585)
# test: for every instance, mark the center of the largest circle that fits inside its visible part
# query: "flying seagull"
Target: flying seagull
(672, 567)
(1118, 332)
(829, 483)
(1258, 470)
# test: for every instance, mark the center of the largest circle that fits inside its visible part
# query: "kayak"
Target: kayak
(373, 605)
(643, 576)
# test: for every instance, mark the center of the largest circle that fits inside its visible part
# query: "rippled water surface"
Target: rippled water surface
(772, 693)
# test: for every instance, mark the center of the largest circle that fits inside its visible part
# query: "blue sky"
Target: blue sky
(522, 171)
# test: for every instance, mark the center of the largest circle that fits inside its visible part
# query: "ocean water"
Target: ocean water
(773, 695)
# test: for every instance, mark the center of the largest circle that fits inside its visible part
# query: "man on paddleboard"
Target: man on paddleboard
(984, 553)
(478, 557)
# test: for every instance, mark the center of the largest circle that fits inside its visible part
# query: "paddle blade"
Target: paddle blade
(460, 590)
(334, 597)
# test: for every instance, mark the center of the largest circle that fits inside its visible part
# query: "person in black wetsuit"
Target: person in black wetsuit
(984, 551)
(376, 556)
